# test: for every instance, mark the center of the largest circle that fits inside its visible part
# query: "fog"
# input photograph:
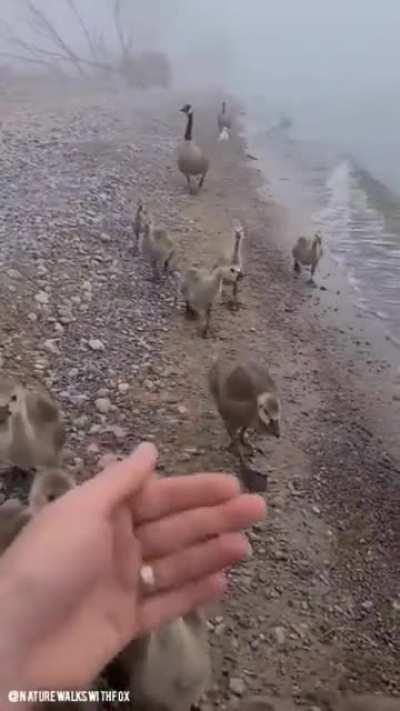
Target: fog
(332, 66)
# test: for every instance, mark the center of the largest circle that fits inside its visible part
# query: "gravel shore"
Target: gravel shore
(318, 603)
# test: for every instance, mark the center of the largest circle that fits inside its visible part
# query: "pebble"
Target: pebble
(117, 431)
(93, 448)
(95, 429)
(103, 405)
(41, 364)
(42, 297)
(96, 345)
(123, 388)
(280, 635)
(82, 421)
(66, 319)
(237, 686)
(13, 274)
(367, 605)
(51, 346)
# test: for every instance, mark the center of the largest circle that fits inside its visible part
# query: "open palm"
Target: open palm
(76, 565)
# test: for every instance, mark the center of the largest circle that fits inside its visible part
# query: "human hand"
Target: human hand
(70, 596)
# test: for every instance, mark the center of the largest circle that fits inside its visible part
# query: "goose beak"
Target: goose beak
(240, 276)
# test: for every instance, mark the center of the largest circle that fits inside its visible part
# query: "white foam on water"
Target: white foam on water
(354, 232)
(359, 242)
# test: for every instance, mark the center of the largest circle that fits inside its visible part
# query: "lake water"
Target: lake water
(329, 189)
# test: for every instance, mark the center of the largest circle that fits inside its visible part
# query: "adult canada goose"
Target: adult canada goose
(224, 122)
(170, 669)
(199, 288)
(307, 252)
(191, 160)
(246, 396)
(32, 432)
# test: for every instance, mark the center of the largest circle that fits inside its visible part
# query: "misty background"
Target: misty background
(333, 67)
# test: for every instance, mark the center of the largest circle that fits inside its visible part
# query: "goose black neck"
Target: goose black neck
(189, 128)
(223, 107)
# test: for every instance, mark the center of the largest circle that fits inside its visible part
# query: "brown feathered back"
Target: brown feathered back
(235, 385)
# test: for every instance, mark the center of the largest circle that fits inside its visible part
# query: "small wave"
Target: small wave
(358, 216)
(359, 240)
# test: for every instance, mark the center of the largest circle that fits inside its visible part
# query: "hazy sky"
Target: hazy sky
(351, 43)
(333, 64)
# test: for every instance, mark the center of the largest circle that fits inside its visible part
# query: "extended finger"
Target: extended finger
(122, 479)
(159, 609)
(187, 528)
(163, 497)
(198, 561)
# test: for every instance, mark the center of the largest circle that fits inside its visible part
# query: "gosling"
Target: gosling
(246, 396)
(13, 517)
(199, 288)
(233, 257)
(157, 247)
(47, 487)
(192, 161)
(170, 669)
(307, 252)
(32, 433)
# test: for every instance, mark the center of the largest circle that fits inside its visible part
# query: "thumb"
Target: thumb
(123, 479)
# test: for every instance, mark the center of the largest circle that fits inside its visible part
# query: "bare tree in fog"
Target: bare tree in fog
(49, 49)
